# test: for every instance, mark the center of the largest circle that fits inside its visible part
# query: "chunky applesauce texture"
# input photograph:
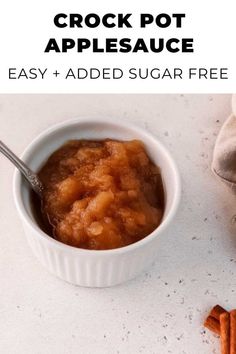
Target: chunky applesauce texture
(101, 194)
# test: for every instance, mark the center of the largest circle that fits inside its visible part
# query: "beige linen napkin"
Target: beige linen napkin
(224, 156)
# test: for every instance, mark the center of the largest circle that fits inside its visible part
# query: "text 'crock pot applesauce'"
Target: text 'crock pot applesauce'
(101, 194)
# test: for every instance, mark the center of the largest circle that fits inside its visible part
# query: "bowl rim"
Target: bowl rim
(97, 120)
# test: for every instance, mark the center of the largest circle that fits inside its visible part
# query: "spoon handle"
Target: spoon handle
(31, 177)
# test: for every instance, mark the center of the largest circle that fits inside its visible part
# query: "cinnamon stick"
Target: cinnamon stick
(225, 333)
(217, 311)
(233, 332)
(212, 321)
(212, 324)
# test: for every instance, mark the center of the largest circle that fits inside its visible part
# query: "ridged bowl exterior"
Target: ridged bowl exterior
(97, 271)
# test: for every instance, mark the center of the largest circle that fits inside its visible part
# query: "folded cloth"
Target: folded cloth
(224, 156)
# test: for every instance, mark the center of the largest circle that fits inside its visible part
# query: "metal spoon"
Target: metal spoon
(30, 176)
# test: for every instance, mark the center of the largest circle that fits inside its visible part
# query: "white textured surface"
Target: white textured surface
(162, 310)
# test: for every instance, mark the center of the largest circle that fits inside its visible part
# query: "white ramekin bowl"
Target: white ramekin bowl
(87, 267)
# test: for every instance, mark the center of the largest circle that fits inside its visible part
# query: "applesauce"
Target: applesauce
(101, 194)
